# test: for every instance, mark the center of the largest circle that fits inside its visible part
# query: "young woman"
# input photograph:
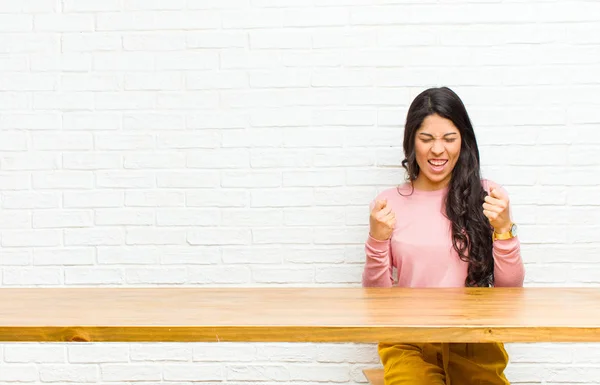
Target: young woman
(445, 227)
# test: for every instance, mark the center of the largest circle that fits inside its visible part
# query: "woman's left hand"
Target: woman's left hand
(496, 210)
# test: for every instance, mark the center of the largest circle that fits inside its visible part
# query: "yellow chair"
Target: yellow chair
(375, 376)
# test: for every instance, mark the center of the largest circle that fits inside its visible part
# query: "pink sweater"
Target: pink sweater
(421, 246)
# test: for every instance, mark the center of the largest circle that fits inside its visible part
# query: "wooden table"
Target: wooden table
(300, 315)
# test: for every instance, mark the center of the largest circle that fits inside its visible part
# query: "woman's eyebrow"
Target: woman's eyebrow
(447, 134)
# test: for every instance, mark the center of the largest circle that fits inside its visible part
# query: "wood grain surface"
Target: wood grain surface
(300, 314)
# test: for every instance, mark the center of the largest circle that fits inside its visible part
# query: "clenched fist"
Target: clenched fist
(382, 221)
(497, 211)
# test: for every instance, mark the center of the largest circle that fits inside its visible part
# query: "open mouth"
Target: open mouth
(437, 165)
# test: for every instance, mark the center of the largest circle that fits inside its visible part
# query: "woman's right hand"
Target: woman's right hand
(382, 221)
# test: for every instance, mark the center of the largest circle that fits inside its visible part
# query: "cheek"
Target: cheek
(421, 150)
(455, 150)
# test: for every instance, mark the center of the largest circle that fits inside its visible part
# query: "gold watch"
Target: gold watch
(508, 235)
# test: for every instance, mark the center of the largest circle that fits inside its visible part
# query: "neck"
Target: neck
(423, 183)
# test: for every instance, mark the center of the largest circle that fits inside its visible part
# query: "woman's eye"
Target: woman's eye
(451, 140)
(426, 140)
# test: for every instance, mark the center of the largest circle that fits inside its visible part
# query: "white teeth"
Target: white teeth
(437, 162)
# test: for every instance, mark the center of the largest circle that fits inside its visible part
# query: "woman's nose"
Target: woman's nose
(437, 147)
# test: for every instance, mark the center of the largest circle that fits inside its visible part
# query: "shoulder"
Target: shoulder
(391, 194)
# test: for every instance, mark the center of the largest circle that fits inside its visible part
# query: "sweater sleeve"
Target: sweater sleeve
(378, 266)
(508, 264)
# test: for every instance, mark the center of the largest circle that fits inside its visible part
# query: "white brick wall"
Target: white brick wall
(238, 142)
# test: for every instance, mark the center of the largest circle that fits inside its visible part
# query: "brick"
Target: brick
(187, 100)
(48, 219)
(33, 6)
(217, 198)
(90, 42)
(314, 178)
(34, 353)
(30, 161)
(224, 352)
(343, 353)
(161, 276)
(69, 62)
(30, 238)
(216, 80)
(93, 276)
(30, 200)
(16, 219)
(251, 217)
(314, 217)
(278, 158)
(28, 121)
(280, 39)
(220, 275)
(193, 61)
(16, 23)
(331, 373)
(187, 140)
(89, 82)
(124, 255)
(123, 217)
(90, 354)
(91, 161)
(295, 235)
(62, 180)
(213, 39)
(73, 141)
(219, 236)
(250, 179)
(187, 179)
(285, 197)
(30, 42)
(339, 274)
(273, 373)
(19, 373)
(314, 254)
(94, 236)
(64, 256)
(91, 6)
(123, 141)
(221, 158)
(93, 199)
(151, 41)
(130, 372)
(155, 236)
(190, 255)
(187, 217)
(251, 255)
(30, 276)
(193, 372)
(153, 81)
(283, 275)
(153, 161)
(17, 257)
(216, 120)
(125, 179)
(11, 101)
(287, 352)
(162, 352)
(152, 198)
(64, 22)
(63, 101)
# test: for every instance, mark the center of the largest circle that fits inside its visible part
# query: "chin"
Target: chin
(438, 179)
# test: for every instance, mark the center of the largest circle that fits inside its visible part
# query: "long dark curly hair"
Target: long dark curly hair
(471, 230)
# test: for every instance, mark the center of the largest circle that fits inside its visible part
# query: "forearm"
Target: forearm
(378, 266)
(509, 270)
